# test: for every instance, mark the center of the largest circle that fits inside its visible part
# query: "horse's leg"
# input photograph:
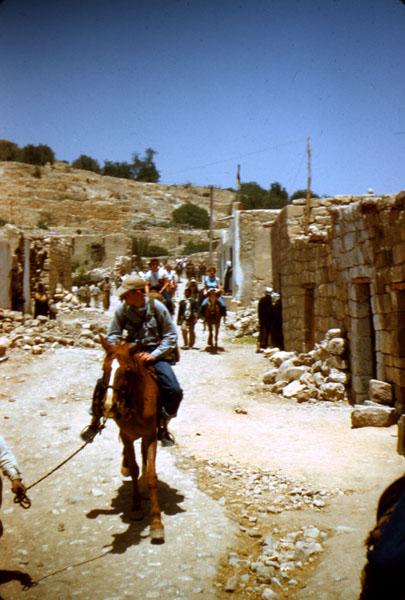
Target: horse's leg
(210, 332)
(129, 453)
(216, 333)
(155, 519)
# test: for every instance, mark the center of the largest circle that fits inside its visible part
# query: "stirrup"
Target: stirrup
(89, 433)
(165, 437)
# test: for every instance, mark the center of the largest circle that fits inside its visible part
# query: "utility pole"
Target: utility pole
(211, 221)
(308, 197)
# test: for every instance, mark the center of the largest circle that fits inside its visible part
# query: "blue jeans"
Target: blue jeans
(170, 391)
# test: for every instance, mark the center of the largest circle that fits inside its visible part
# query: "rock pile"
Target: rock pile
(37, 335)
(243, 322)
(269, 559)
(320, 374)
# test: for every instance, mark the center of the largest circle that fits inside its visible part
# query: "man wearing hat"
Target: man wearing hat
(149, 323)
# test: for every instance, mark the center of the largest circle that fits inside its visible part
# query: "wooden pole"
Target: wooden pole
(211, 222)
(308, 198)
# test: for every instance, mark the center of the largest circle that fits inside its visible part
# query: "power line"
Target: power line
(235, 157)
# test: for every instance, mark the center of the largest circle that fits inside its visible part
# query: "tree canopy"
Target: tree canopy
(9, 150)
(302, 194)
(37, 155)
(254, 197)
(87, 163)
(144, 169)
(191, 214)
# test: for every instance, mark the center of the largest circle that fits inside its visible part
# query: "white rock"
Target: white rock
(292, 389)
(336, 346)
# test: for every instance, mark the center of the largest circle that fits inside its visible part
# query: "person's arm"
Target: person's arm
(167, 330)
(116, 327)
(10, 468)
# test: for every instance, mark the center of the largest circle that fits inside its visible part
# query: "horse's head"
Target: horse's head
(124, 369)
(212, 295)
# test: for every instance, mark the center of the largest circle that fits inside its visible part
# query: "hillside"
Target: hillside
(65, 198)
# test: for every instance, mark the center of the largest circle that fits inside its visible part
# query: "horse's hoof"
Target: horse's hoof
(125, 471)
(157, 536)
(137, 514)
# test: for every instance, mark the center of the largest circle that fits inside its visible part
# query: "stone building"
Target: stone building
(347, 271)
(247, 244)
(27, 259)
(341, 265)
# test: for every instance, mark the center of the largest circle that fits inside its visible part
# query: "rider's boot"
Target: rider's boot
(163, 434)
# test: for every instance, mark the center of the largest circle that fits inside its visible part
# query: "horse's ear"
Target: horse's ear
(105, 343)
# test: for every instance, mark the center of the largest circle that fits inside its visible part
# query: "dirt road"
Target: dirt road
(247, 465)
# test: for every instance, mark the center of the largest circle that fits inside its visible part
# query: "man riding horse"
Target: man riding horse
(149, 323)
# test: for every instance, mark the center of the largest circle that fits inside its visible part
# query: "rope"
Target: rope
(23, 500)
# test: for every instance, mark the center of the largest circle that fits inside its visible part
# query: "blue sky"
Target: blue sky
(213, 84)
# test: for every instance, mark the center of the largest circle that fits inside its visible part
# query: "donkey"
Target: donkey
(134, 406)
(212, 313)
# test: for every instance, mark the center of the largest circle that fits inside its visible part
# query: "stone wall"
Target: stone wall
(99, 250)
(346, 270)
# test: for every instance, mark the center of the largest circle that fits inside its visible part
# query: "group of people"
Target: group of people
(91, 293)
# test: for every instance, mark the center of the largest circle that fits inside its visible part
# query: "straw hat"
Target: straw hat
(133, 282)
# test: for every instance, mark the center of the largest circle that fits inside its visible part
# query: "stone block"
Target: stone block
(373, 416)
(380, 392)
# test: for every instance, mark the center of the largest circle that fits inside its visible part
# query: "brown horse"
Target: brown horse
(134, 408)
(212, 314)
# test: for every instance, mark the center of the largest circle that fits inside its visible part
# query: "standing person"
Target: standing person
(187, 318)
(276, 325)
(10, 469)
(41, 302)
(95, 294)
(105, 287)
(149, 323)
(228, 278)
(265, 314)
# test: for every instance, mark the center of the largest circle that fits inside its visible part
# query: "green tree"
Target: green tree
(87, 163)
(144, 169)
(302, 194)
(37, 155)
(191, 214)
(254, 197)
(277, 196)
(117, 169)
(9, 150)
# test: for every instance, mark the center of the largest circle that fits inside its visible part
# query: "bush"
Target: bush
(87, 163)
(37, 155)
(81, 277)
(191, 214)
(143, 247)
(43, 224)
(9, 151)
(191, 247)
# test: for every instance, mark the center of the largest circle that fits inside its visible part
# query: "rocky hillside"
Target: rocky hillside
(59, 196)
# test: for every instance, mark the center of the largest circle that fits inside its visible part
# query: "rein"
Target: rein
(23, 500)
